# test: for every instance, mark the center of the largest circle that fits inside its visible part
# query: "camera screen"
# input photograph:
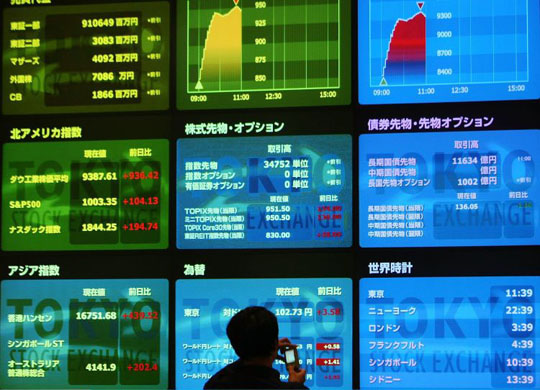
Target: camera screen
(289, 356)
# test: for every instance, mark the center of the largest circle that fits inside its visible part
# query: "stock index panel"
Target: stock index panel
(86, 58)
(80, 334)
(263, 53)
(448, 51)
(264, 192)
(85, 195)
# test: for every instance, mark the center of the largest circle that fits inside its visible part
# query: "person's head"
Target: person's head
(253, 333)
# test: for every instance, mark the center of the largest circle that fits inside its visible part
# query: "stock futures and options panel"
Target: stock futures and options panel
(414, 51)
(86, 58)
(459, 333)
(85, 195)
(60, 334)
(264, 192)
(315, 314)
(450, 189)
(263, 53)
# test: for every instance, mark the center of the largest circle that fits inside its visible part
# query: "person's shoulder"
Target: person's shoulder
(239, 376)
(220, 378)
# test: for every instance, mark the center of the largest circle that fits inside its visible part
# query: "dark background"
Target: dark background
(275, 263)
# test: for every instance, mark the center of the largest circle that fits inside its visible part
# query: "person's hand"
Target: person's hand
(284, 342)
(296, 376)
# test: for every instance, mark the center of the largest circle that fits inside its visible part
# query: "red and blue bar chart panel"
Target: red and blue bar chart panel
(448, 51)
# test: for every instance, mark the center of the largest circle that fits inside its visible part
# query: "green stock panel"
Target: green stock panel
(85, 195)
(84, 333)
(263, 53)
(86, 58)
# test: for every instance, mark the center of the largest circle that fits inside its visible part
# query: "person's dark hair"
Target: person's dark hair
(253, 332)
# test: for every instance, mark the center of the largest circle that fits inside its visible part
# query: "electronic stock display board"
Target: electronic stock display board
(85, 195)
(450, 189)
(315, 314)
(265, 192)
(61, 334)
(258, 54)
(86, 58)
(449, 333)
(236, 149)
(448, 51)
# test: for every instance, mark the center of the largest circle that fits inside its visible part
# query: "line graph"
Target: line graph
(222, 54)
(406, 55)
(462, 50)
(234, 53)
